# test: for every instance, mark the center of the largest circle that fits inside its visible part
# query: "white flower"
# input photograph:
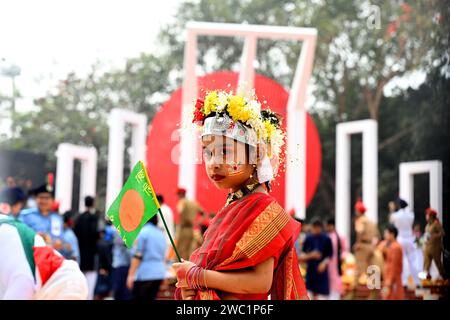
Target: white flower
(255, 106)
(222, 101)
(277, 141)
(257, 124)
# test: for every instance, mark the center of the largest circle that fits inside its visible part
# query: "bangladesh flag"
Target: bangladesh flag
(134, 206)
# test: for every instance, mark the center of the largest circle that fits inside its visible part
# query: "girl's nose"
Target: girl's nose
(212, 163)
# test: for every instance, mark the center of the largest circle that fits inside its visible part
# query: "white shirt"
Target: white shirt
(403, 220)
(168, 217)
(16, 280)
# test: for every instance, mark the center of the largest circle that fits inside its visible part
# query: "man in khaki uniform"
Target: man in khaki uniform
(367, 236)
(187, 210)
(432, 249)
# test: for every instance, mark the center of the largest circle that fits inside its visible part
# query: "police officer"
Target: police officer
(433, 246)
(47, 223)
(367, 236)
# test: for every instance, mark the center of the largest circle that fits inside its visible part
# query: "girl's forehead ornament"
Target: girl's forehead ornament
(223, 125)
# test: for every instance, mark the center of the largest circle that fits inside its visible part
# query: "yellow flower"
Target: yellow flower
(245, 114)
(270, 129)
(211, 101)
(236, 109)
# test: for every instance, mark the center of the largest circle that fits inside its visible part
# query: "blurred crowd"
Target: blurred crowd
(112, 270)
(402, 259)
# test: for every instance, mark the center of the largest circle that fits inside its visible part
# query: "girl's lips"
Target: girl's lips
(217, 177)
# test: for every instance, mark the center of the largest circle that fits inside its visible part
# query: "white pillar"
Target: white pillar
(369, 130)
(296, 130)
(116, 146)
(342, 194)
(296, 113)
(370, 169)
(187, 174)
(247, 72)
(66, 154)
(406, 182)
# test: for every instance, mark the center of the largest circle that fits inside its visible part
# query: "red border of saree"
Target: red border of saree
(246, 233)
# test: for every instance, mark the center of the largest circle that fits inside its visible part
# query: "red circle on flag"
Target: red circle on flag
(163, 143)
(131, 210)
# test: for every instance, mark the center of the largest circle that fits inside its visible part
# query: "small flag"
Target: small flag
(134, 206)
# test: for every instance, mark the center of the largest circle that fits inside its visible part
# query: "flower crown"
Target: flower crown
(243, 110)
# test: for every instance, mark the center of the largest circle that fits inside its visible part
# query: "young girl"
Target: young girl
(248, 250)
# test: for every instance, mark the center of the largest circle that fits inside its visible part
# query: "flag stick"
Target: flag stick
(170, 237)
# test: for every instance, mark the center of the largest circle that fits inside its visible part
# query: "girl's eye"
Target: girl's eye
(207, 154)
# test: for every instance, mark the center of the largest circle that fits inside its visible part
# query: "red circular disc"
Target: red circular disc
(163, 143)
(131, 210)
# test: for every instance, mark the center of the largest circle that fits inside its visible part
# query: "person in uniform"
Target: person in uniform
(70, 249)
(148, 269)
(367, 236)
(42, 219)
(121, 261)
(403, 220)
(187, 210)
(433, 246)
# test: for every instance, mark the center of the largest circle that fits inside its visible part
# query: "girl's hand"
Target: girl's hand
(188, 294)
(181, 269)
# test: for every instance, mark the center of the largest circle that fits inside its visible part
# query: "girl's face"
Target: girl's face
(226, 162)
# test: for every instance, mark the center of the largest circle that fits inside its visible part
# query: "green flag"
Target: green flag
(134, 206)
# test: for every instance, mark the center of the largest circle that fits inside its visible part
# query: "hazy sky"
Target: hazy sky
(49, 38)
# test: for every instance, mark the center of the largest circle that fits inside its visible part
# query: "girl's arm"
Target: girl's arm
(255, 280)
